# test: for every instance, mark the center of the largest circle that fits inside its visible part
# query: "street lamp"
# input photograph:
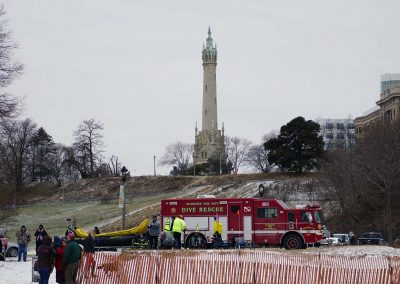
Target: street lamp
(154, 165)
(124, 173)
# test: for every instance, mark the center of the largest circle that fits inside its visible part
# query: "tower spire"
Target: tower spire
(209, 40)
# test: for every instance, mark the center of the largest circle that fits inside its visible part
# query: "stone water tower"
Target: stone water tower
(209, 142)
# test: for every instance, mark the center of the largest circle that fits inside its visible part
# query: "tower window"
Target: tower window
(205, 112)
(206, 88)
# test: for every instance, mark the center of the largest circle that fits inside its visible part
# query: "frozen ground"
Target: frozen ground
(15, 272)
(356, 251)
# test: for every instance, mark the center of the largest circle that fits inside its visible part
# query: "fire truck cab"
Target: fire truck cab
(259, 221)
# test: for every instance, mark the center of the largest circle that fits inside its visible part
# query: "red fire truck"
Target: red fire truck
(251, 220)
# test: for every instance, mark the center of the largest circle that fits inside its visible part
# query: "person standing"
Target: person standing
(89, 248)
(40, 234)
(60, 271)
(23, 238)
(178, 226)
(45, 261)
(71, 258)
(154, 232)
(217, 232)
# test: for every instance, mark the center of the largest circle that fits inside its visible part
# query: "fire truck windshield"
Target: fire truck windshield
(318, 217)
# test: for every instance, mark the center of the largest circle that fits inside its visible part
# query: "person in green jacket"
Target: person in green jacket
(178, 227)
(71, 258)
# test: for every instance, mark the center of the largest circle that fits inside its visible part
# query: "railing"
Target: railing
(235, 266)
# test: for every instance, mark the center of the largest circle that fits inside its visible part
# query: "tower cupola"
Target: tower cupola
(210, 50)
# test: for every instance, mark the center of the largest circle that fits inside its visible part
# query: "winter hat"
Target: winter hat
(71, 235)
(57, 241)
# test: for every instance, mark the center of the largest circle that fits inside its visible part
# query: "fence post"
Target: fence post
(319, 268)
(390, 270)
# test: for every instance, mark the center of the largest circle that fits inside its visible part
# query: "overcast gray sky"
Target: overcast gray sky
(136, 66)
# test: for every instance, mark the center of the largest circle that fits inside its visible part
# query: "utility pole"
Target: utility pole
(220, 168)
(194, 164)
(154, 165)
(124, 173)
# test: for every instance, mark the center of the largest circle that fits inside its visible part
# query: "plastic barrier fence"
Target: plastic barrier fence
(235, 266)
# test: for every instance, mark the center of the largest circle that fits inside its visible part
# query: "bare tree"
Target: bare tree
(115, 165)
(88, 146)
(365, 182)
(177, 154)
(15, 139)
(236, 150)
(257, 157)
(9, 70)
(71, 167)
(57, 160)
(379, 164)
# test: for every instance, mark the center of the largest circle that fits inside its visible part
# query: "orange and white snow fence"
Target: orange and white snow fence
(235, 266)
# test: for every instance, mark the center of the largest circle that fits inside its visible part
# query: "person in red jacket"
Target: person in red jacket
(60, 271)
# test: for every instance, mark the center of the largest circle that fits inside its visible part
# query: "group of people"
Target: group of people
(63, 254)
(175, 227)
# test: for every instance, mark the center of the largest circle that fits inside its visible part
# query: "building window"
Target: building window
(340, 126)
(329, 126)
(350, 125)
(205, 112)
(206, 88)
(340, 135)
(329, 136)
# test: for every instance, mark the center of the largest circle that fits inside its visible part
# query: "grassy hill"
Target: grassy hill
(94, 202)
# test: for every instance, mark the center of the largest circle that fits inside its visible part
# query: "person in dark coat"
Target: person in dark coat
(96, 230)
(154, 232)
(89, 248)
(45, 261)
(40, 234)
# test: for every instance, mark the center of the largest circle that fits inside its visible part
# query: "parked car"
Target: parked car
(334, 241)
(372, 238)
(325, 242)
(12, 249)
(343, 239)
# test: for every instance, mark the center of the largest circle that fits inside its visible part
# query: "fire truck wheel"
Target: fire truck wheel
(293, 241)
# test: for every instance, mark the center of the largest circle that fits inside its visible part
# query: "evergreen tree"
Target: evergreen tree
(42, 145)
(298, 146)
